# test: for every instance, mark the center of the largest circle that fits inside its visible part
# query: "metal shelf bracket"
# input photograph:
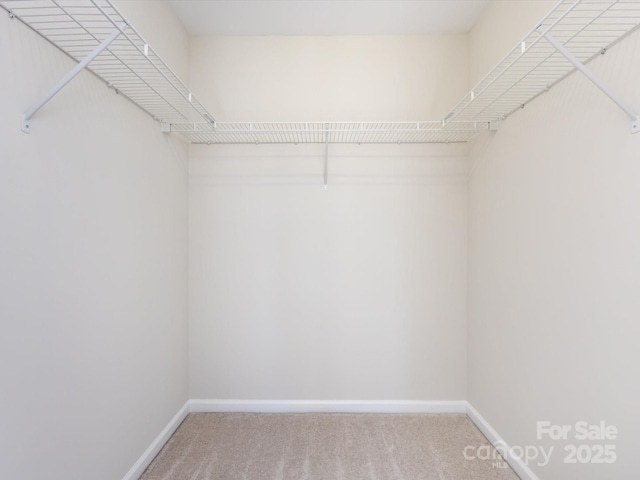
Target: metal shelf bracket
(633, 115)
(326, 156)
(26, 117)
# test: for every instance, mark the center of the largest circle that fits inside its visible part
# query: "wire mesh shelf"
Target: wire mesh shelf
(328, 132)
(129, 64)
(585, 27)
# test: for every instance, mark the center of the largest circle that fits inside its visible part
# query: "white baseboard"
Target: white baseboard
(150, 453)
(328, 406)
(515, 462)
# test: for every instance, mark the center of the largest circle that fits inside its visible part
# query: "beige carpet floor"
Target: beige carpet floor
(246, 446)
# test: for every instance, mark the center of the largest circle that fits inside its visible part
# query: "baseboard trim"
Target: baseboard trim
(150, 453)
(515, 462)
(328, 406)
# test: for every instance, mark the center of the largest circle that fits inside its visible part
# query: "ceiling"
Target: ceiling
(327, 17)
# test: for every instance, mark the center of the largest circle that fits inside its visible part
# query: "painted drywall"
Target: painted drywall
(157, 23)
(554, 269)
(357, 78)
(501, 27)
(353, 293)
(93, 302)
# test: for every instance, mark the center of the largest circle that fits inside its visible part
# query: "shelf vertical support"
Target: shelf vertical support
(326, 156)
(635, 118)
(26, 117)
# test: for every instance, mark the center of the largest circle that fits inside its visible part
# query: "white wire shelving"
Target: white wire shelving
(98, 37)
(585, 28)
(327, 132)
(122, 58)
(572, 34)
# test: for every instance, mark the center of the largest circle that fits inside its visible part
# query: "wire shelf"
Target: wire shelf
(129, 65)
(585, 27)
(328, 132)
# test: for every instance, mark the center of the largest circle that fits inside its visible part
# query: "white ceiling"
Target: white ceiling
(327, 17)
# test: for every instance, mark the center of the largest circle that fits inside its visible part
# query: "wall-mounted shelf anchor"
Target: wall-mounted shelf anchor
(635, 118)
(26, 117)
(326, 156)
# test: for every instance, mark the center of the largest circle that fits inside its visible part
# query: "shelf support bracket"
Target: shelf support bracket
(26, 117)
(635, 118)
(326, 156)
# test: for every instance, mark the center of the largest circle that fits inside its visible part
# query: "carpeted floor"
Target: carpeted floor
(230, 446)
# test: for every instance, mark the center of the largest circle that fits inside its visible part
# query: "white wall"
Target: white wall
(359, 78)
(501, 26)
(357, 292)
(159, 25)
(554, 268)
(353, 293)
(93, 302)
